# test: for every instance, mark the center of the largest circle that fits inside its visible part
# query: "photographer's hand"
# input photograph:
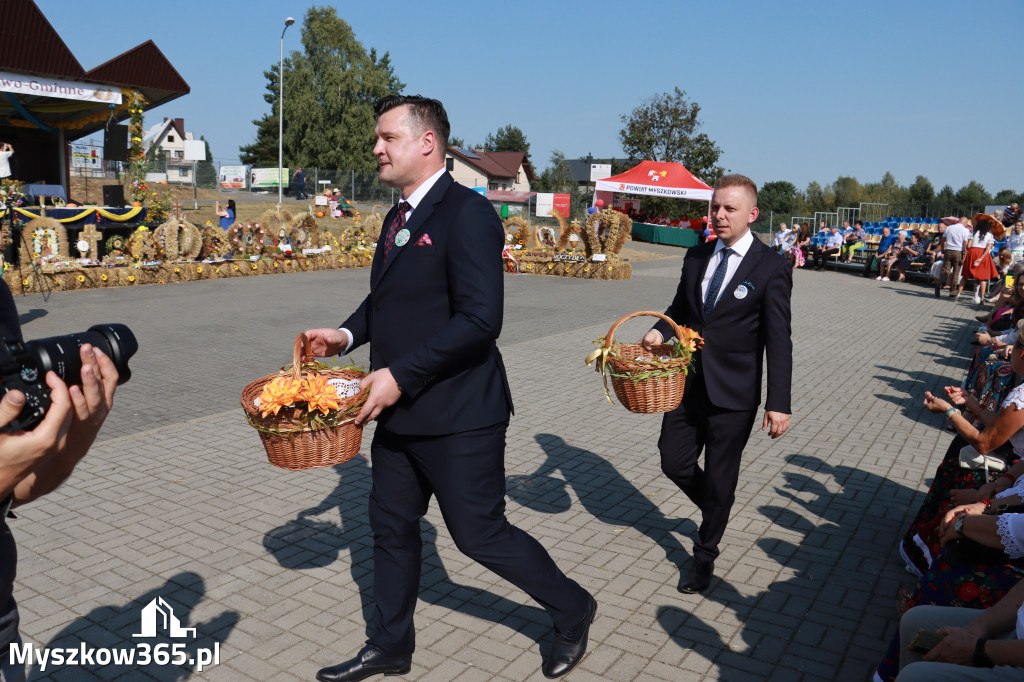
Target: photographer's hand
(89, 406)
(21, 452)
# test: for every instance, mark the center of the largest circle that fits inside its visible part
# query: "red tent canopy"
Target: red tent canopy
(657, 178)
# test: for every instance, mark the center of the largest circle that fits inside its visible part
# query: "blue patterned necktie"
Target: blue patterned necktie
(717, 280)
(397, 224)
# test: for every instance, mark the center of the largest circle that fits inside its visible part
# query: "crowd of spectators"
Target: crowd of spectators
(966, 543)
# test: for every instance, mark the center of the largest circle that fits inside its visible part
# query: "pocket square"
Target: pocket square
(424, 240)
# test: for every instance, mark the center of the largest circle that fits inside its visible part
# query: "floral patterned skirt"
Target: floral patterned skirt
(976, 586)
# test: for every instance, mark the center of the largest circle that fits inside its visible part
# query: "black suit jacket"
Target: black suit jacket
(745, 325)
(434, 313)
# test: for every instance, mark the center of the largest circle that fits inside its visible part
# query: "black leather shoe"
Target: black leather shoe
(369, 661)
(699, 578)
(567, 648)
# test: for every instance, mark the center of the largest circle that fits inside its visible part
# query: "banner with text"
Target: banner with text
(267, 177)
(22, 84)
(86, 156)
(233, 176)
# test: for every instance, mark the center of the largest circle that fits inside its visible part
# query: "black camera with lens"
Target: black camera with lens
(24, 364)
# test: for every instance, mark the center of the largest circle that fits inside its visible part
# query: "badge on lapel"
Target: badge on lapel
(743, 289)
(402, 238)
(424, 240)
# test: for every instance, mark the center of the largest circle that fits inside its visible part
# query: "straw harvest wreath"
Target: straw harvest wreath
(248, 240)
(46, 234)
(590, 243)
(519, 230)
(179, 239)
(142, 246)
(619, 227)
(374, 224)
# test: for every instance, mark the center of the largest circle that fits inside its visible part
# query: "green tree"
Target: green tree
(206, 173)
(921, 192)
(817, 199)
(779, 197)
(456, 142)
(1006, 197)
(156, 159)
(330, 88)
(507, 139)
(946, 196)
(973, 194)
(847, 192)
(666, 127)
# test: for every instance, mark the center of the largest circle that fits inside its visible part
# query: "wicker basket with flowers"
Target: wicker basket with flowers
(305, 415)
(646, 380)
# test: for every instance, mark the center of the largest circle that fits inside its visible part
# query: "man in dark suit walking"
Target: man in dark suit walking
(440, 396)
(735, 292)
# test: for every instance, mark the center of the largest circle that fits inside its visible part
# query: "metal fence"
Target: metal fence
(365, 188)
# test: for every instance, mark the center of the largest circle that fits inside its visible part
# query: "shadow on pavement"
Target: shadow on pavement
(602, 490)
(113, 627)
(830, 574)
(308, 541)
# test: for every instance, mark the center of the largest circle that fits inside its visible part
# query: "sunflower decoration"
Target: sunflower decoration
(520, 230)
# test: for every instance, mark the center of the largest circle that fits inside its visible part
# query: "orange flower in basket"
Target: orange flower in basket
(319, 395)
(281, 392)
(691, 340)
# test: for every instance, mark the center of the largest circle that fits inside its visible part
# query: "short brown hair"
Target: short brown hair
(428, 113)
(737, 180)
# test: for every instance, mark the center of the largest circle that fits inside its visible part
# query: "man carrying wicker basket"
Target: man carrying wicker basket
(439, 394)
(735, 292)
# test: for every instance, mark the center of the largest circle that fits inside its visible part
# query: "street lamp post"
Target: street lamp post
(280, 117)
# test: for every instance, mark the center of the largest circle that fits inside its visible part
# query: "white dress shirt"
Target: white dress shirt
(740, 249)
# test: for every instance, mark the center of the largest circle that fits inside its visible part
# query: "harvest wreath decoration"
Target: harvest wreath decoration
(646, 381)
(179, 239)
(374, 223)
(114, 242)
(248, 240)
(47, 235)
(142, 246)
(214, 242)
(520, 231)
(618, 229)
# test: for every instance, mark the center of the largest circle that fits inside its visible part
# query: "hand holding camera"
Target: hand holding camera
(33, 463)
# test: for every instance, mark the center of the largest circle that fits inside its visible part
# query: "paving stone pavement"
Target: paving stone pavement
(176, 498)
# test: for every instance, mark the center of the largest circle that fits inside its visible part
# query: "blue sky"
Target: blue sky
(796, 91)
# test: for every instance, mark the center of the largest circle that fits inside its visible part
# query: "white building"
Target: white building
(170, 136)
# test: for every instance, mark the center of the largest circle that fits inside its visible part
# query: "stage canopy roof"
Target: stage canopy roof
(657, 178)
(43, 87)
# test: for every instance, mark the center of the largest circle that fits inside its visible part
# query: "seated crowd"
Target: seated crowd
(952, 252)
(966, 542)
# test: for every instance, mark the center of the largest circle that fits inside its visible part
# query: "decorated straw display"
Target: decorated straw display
(646, 381)
(305, 416)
